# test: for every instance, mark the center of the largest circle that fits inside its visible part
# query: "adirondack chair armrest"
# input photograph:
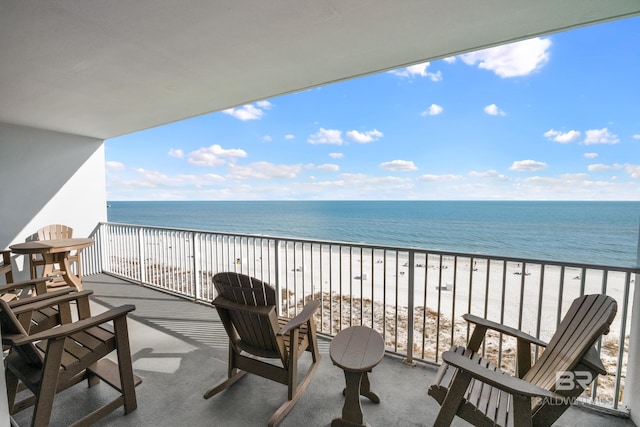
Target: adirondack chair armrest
(301, 318)
(222, 302)
(592, 361)
(504, 382)
(41, 303)
(37, 298)
(40, 284)
(9, 339)
(79, 326)
(518, 334)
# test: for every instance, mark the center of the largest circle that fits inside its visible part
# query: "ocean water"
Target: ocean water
(589, 232)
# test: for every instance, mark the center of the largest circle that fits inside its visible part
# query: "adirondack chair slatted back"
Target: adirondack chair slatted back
(587, 319)
(252, 330)
(9, 325)
(50, 232)
(55, 231)
(243, 289)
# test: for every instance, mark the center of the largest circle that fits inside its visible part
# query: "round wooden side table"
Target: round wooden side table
(357, 350)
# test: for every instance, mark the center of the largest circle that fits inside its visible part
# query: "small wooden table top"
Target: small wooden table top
(51, 246)
(357, 349)
(55, 251)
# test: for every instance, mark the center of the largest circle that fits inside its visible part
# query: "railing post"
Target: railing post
(410, 309)
(631, 398)
(106, 250)
(141, 256)
(196, 266)
(277, 276)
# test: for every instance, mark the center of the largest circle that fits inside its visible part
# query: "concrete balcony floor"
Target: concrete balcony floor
(179, 348)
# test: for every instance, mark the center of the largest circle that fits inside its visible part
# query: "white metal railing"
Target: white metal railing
(414, 297)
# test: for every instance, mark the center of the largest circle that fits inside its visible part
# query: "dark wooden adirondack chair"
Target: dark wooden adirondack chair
(18, 294)
(247, 309)
(53, 360)
(471, 387)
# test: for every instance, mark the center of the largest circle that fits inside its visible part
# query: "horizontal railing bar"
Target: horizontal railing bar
(495, 257)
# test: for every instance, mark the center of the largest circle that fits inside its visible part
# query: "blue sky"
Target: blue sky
(551, 118)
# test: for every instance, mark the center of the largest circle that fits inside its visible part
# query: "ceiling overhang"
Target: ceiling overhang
(107, 68)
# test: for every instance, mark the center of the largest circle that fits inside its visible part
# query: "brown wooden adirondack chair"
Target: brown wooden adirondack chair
(19, 294)
(471, 387)
(24, 292)
(49, 232)
(53, 360)
(247, 309)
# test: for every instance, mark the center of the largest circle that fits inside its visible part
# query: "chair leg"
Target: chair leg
(287, 406)
(224, 384)
(522, 411)
(125, 367)
(49, 383)
(453, 399)
(12, 389)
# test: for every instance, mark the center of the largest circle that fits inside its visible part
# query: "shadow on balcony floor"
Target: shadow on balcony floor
(179, 348)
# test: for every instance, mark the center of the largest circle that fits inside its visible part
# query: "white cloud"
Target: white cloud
(439, 178)
(633, 170)
(418, 70)
(364, 137)
(178, 154)
(562, 137)
(249, 111)
(449, 59)
(327, 167)
(636, 136)
(336, 155)
(527, 166)
(574, 176)
(598, 167)
(590, 155)
(114, 166)
(433, 110)
(263, 170)
(289, 136)
(154, 179)
(399, 165)
(512, 60)
(362, 179)
(600, 136)
(493, 174)
(326, 136)
(265, 105)
(493, 110)
(214, 155)
(267, 138)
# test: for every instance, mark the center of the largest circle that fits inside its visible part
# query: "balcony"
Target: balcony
(179, 348)
(415, 298)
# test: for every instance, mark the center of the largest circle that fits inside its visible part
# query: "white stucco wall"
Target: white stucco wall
(49, 178)
(46, 178)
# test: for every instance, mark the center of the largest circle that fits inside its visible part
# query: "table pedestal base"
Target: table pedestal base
(357, 385)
